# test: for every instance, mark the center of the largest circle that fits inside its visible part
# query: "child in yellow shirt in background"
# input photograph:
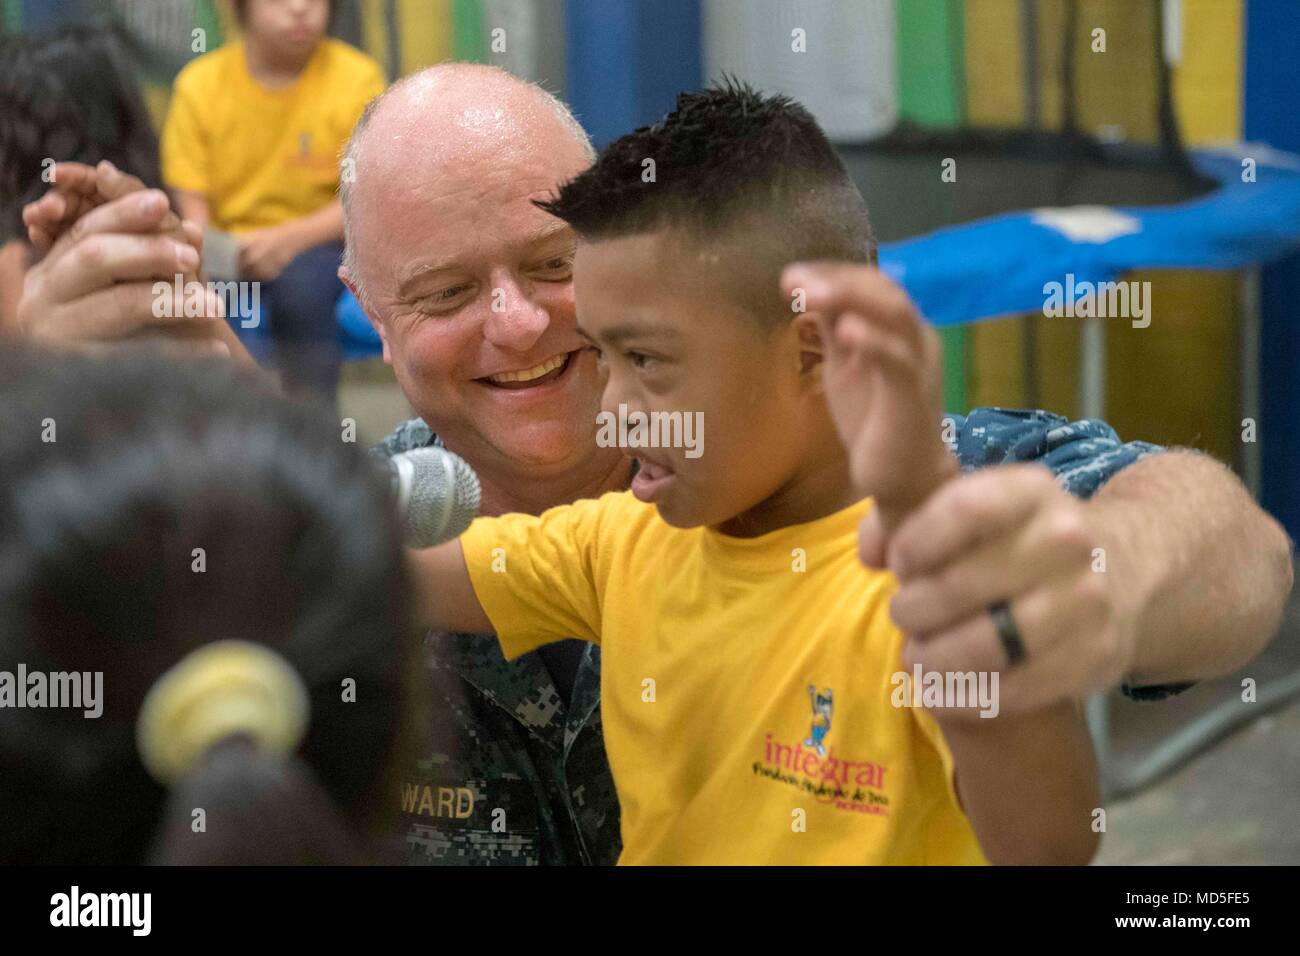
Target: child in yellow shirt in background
(252, 146)
(750, 697)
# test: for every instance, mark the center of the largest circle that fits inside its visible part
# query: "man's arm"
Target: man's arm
(1205, 571)
(444, 597)
(1230, 562)
(1046, 759)
(1169, 573)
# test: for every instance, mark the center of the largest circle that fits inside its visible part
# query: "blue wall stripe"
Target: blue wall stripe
(1272, 92)
(628, 59)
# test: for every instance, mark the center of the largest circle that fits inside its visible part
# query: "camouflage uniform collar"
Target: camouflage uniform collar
(522, 687)
(413, 433)
(586, 695)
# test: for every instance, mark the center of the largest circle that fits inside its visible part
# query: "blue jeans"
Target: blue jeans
(303, 327)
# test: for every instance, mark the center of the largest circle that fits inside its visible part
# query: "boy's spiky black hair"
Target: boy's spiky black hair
(727, 163)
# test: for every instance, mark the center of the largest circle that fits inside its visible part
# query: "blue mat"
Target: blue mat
(999, 266)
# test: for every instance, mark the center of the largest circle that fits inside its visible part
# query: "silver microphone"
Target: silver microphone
(437, 495)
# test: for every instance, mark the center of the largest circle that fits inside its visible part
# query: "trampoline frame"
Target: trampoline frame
(1183, 745)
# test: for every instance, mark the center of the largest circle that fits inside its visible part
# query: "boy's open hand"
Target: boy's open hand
(883, 384)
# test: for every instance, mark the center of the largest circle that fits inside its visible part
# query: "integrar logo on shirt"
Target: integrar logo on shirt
(812, 766)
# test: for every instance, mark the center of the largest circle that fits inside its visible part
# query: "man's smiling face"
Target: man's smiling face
(470, 284)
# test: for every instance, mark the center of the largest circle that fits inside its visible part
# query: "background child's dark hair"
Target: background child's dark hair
(731, 167)
(151, 459)
(69, 95)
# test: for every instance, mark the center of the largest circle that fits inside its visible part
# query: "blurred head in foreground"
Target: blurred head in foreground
(685, 228)
(69, 94)
(233, 570)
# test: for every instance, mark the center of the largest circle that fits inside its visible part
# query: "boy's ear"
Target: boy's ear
(812, 349)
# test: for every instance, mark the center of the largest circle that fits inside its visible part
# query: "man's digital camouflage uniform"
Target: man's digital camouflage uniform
(509, 775)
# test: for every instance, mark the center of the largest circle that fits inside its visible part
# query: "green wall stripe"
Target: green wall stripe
(469, 41)
(931, 63)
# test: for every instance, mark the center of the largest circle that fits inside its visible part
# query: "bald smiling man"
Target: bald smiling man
(470, 287)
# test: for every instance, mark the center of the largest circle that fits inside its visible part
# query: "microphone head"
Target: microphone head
(440, 495)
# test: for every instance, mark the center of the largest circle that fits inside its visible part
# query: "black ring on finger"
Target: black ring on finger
(1008, 632)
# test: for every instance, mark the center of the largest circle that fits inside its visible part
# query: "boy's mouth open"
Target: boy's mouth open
(651, 480)
(529, 378)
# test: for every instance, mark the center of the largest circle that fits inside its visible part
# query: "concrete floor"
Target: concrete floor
(1237, 802)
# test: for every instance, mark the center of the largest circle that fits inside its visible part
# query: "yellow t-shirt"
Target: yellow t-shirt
(746, 704)
(263, 157)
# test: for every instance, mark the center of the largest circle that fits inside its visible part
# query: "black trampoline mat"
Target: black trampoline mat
(906, 197)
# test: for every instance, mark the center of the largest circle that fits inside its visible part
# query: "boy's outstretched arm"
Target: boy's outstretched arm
(882, 377)
(1028, 782)
(444, 597)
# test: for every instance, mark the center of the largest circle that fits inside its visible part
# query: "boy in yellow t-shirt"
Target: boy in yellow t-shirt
(751, 692)
(252, 145)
